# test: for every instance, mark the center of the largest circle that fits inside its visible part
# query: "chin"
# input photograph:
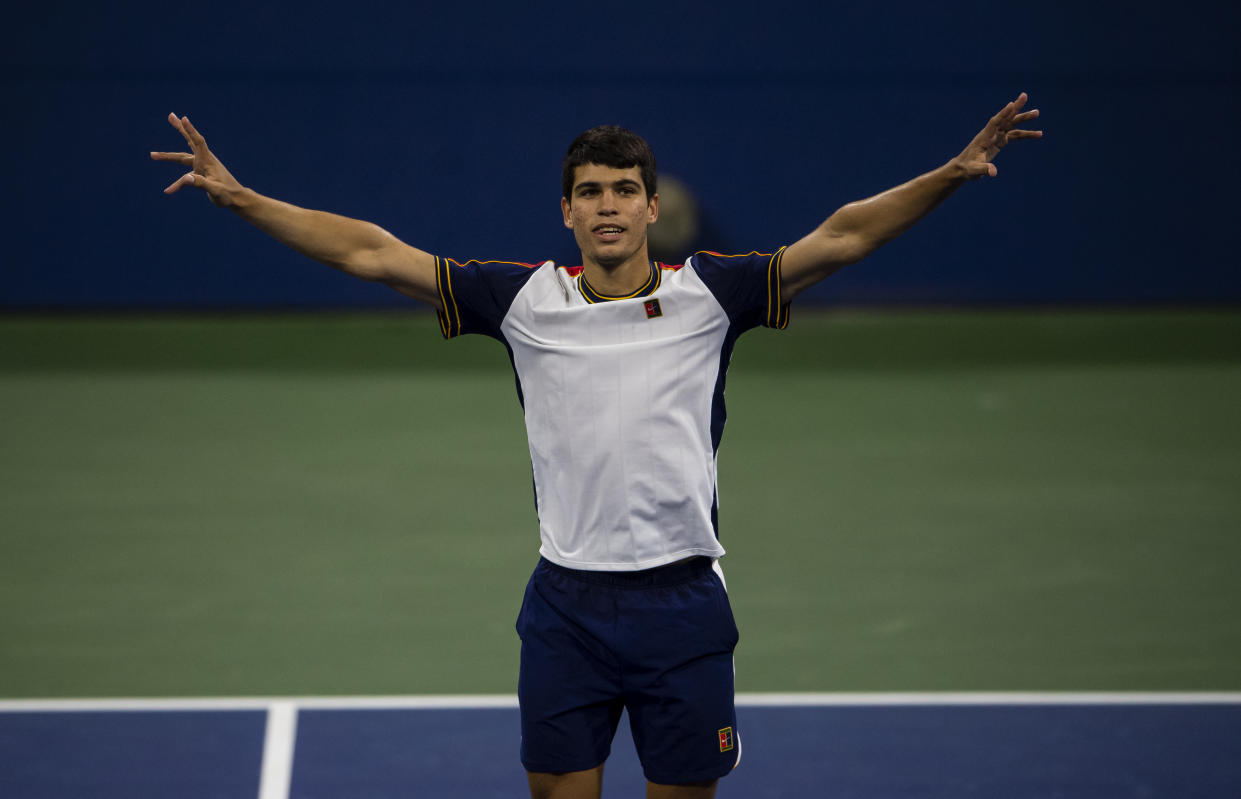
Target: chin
(610, 260)
(614, 256)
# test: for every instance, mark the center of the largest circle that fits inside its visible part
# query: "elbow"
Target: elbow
(857, 230)
(366, 263)
(842, 247)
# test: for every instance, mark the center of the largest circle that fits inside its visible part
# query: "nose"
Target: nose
(607, 205)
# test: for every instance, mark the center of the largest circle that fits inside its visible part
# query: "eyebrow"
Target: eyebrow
(594, 184)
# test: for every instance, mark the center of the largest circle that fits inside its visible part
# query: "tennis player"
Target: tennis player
(620, 366)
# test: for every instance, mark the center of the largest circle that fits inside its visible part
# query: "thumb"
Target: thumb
(983, 170)
(188, 179)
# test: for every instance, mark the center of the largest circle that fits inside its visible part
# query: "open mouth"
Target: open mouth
(608, 232)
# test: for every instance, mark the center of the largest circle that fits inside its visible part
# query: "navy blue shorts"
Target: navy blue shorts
(657, 643)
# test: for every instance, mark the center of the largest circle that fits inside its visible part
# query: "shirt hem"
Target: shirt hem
(651, 563)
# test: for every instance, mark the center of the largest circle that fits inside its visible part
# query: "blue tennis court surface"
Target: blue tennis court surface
(926, 746)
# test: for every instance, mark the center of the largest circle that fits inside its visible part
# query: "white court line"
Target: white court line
(445, 701)
(485, 701)
(983, 698)
(278, 746)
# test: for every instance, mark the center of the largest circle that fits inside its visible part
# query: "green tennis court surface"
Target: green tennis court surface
(341, 504)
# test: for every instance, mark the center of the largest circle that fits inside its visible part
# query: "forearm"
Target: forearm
(350, 245)
(859, 228)
(358, 248)
(871, 223)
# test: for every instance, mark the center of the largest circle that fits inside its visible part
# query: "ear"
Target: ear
(652, 209)
(564, 209)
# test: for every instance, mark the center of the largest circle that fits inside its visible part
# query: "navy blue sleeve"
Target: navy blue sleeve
(746, 286)
(476, 295)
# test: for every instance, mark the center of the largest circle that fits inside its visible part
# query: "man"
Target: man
(620, 367)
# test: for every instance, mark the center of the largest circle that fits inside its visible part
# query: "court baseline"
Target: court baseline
(796, 744)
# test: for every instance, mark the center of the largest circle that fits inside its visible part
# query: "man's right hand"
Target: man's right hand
(353, 246)
(206, 171)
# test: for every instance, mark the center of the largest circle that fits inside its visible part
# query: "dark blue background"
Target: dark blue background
(446, 123)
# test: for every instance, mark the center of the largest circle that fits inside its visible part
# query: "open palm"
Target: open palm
(977, 157)
(206, 171)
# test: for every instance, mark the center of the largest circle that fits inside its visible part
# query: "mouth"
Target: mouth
(607, 232)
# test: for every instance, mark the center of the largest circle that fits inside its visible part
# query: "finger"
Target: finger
(1009, 113)
(195, 138)
(175, 121)
(1025, 116)
(185, 180)
(1024, 134)
(181, 158)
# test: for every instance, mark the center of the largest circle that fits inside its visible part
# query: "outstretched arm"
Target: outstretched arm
(358, 248)
(860, 228)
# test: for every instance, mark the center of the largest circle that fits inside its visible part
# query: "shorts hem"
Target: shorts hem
(559, 768)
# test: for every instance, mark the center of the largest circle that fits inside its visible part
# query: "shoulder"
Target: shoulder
(498, 267)
(725, 260)
(747, 285)
(476, 295)
(716, 267)
(451, 272)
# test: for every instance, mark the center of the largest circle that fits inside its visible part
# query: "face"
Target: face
(608, 213)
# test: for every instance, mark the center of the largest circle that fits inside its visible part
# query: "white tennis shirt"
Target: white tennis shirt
(623, 396)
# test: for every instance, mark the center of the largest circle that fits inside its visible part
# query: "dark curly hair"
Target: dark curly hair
(609, 145)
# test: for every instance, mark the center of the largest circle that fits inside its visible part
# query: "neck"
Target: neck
(617, 280)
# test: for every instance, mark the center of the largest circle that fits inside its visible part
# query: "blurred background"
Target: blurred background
(446, 124)
(1001, 454)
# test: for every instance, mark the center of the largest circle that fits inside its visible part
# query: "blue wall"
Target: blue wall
(446, 125)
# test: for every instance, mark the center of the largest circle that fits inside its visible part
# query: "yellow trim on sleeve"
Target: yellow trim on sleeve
(456, 312)
(450, 317)
(442, 313)
(777, 309)
(771, 265)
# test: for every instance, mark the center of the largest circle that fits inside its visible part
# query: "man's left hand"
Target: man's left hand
(976, 159)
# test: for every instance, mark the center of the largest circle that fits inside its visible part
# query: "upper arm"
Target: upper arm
(406, 269)
(817, 255)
